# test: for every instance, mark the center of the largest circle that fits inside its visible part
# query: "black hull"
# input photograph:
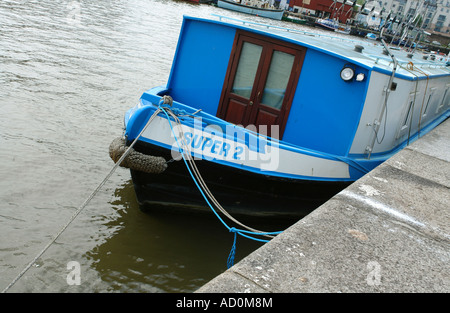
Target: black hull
(239, 192)
(325, 27)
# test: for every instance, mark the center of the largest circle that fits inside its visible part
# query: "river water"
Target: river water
(68, 72)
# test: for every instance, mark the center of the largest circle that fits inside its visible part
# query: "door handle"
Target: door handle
(250, 103)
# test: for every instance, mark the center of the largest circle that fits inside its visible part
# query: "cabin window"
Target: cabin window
(407, 114)
(425, 111)
(445, 100)
(260, 82)
(277, 79)
(405, 121)
(246, 70)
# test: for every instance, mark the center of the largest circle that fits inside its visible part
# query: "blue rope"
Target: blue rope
(230, 260)
(178, 111)
(244, 233)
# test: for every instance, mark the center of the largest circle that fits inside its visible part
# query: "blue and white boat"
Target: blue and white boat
(272, 121)
(371, 36)
(333, 25)
(327, 23)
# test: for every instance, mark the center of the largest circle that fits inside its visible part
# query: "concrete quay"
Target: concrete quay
(388, 232)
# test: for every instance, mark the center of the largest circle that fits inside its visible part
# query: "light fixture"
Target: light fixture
(360, 77)
(347, 74)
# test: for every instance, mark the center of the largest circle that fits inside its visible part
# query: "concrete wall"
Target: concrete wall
(387, 232)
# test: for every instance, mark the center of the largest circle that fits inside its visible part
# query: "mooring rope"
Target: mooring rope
(82, 206)
(199, 178)
(206, 193)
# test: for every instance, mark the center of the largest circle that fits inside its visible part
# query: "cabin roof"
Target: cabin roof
(371, 57)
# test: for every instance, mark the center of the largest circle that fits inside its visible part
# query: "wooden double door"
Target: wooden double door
(260, 83)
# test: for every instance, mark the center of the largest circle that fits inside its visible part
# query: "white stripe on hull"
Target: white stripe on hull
(274, 158)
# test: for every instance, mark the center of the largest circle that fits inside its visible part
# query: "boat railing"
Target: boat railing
(423, 64)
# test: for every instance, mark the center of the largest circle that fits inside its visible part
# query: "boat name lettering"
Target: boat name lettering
(215, 146)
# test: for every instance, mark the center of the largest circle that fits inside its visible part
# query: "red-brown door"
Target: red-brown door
(260, 83)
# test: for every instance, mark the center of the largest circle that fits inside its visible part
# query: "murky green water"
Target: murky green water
(68, 72)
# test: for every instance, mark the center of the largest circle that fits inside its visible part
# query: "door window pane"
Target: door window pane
(246, 71)
(277, 79)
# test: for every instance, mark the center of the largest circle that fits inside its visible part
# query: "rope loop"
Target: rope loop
(166, 100)
(410, 65)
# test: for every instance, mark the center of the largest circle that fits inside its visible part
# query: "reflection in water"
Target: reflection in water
(162, 252)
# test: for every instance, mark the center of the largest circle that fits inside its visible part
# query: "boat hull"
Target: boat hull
(294, 19)
(325, 27)
(269, 13)
(238, 191)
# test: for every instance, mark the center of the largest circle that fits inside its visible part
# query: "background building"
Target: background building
(433, 16)
(336, 9)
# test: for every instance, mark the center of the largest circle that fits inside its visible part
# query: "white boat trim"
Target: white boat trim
(275, 159)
